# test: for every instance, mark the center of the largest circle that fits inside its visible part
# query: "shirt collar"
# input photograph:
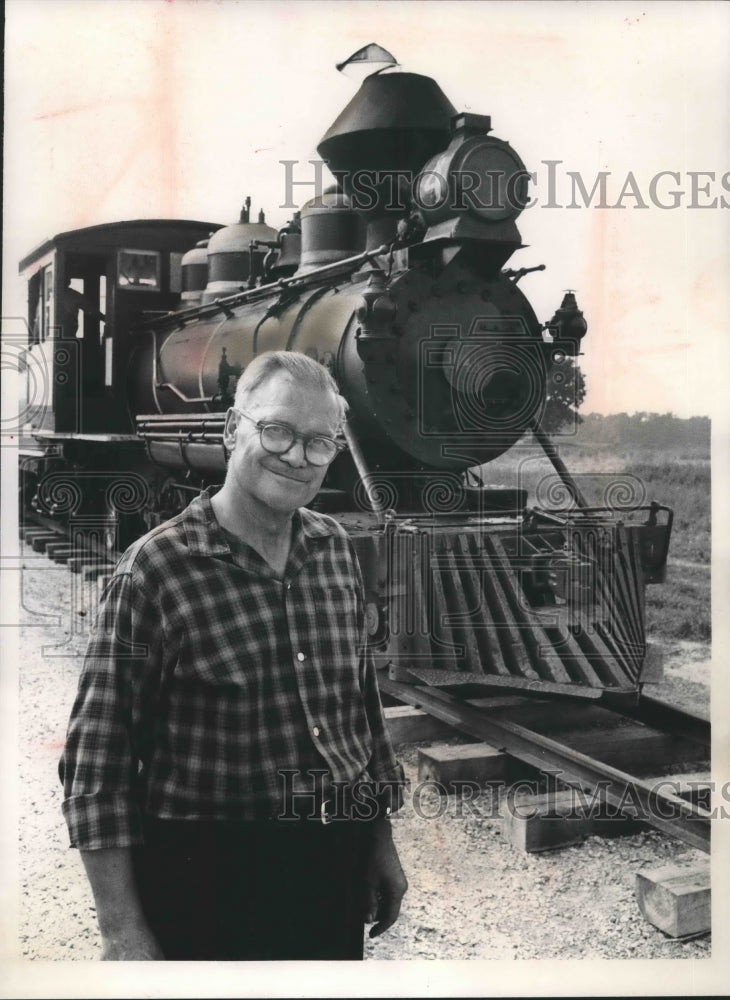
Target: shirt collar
(313, 525)
(204, 535)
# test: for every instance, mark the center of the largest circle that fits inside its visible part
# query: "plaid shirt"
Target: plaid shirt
(207, 675)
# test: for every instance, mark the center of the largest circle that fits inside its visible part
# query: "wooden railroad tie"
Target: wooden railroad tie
(540, 822)
(60, 550)
(630, 745)
(472, 762)
(63, 553)
(558, 819)
(39, 542)
(30, 531)
(411, 725)
(676, 900)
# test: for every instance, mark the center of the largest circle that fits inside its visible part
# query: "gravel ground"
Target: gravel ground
(471, 895)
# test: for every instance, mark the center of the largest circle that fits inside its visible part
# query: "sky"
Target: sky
(180, 108)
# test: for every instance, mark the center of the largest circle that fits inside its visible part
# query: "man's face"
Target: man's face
(281, 482)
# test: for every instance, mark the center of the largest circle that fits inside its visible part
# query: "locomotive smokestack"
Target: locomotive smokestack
(380, 141)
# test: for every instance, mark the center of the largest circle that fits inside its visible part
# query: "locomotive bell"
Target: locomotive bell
(289, 254)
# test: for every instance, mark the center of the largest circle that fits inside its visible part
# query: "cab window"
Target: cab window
(138, 270)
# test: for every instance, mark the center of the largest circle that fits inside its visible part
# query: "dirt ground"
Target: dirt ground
(471, 895)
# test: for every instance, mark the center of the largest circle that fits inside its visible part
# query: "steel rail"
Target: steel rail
(661, 715)
(635, 797)
(658, 713)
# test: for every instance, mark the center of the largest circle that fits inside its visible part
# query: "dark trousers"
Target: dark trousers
(286, 890)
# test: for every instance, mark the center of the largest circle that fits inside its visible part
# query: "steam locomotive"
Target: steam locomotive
(395, 279)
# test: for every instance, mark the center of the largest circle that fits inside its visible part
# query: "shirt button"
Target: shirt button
(316, 730)
(300, 656)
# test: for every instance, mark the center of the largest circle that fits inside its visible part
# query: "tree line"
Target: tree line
(652, 430)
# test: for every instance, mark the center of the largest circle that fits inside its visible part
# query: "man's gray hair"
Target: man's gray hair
(302, 369)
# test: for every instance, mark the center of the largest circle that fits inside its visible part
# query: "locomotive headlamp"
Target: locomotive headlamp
(478, 179)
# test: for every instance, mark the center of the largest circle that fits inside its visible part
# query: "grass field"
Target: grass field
(680, 607)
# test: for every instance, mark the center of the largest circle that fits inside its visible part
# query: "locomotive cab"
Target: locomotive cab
(85, 290)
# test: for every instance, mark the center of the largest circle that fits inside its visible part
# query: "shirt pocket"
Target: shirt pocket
(333, 602)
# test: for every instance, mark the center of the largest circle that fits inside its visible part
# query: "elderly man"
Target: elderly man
(228, 775)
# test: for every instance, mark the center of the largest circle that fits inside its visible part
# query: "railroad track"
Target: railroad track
(569, 771)
(619, 758)
(90, 563)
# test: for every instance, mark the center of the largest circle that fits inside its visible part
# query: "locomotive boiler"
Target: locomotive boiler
(395, 279)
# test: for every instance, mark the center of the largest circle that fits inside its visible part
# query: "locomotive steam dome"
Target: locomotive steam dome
(194, 267)
(233, 260)
(331, 230)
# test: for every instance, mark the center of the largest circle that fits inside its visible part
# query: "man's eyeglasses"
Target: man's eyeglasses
(279, 438)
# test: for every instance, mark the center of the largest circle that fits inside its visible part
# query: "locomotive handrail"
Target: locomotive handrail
(180, 418)
(200, 437)
(251, 294)
(562, 516)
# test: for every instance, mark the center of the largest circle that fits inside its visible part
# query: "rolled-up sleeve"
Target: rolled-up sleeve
(106, 738)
